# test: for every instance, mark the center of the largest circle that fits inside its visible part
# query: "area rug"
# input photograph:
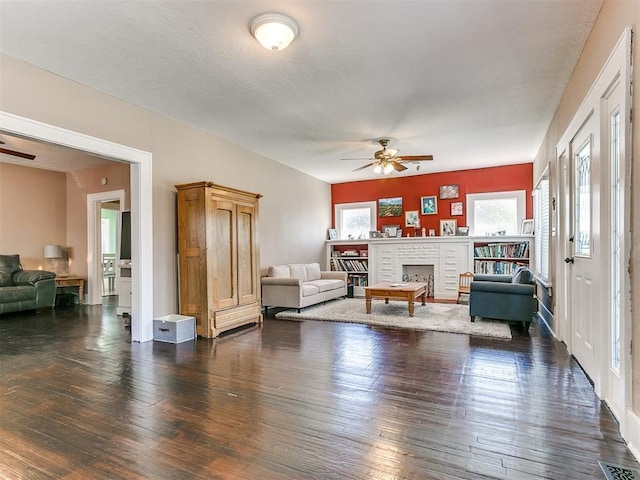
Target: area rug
(441, 317)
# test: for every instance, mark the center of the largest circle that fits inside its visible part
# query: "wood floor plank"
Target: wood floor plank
(293, 400)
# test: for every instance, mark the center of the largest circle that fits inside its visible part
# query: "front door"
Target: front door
(585, 289)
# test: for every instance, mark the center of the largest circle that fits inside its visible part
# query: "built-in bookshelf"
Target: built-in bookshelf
(353, 258)
(500, 257)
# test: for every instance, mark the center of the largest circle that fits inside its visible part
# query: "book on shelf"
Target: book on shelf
(502, 250)
(489, 267)
(358, 280)
(345, 265)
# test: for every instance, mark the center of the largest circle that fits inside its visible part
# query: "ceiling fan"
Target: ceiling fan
(387, 160)
(15, 153)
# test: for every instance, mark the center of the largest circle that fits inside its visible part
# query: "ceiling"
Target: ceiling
(473, 82)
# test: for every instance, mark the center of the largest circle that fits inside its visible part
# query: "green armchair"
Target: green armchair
(504, 297)
(24, 289)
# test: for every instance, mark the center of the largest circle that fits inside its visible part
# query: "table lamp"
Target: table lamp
(52, 252)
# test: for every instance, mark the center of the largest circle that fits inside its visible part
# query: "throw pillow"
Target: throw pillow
(280, 271)
(523, 276)
(9, 264)
(298, 271)
(313, 271)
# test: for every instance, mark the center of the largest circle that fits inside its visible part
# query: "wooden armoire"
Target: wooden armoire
(218, 257)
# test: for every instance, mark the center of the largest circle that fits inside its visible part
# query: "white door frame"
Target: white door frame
(141, 206)
(94, 238)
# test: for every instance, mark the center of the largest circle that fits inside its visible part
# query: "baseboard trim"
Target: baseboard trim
(631, 433)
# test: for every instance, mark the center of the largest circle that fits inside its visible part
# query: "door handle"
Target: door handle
(568, 260)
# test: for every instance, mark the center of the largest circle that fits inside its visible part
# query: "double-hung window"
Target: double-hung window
(541, 215)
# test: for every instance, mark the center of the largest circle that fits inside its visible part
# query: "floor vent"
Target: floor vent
(618, 472)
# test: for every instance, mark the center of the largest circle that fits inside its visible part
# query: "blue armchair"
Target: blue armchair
(504, 297)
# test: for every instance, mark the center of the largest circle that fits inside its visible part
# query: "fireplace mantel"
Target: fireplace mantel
(449, 256)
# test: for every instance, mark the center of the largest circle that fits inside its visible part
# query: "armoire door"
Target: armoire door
(222, 252)
(247, 255)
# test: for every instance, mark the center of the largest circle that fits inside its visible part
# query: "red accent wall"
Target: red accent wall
(480, 180)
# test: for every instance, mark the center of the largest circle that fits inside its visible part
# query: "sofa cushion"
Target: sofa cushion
(326, 285)
(9, 264)
(280, 271)
(313, 271)
(17, 294)
(523, 276)
(308, 289)
(298, 270)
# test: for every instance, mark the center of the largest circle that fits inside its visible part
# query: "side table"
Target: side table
(72, 282)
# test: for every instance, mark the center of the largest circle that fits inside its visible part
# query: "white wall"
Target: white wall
(294, 213)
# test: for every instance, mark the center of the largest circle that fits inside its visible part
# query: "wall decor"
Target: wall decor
(375, 234)
(390, 207)
(411, 219)
(527, 227)
(390, 230)
(332, 234)
(456, 208)
(432, 232)
(448, 227)
(449, 191)
(429, 205)
(462, 231)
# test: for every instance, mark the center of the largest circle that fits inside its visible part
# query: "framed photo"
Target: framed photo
(390, 207)
(527, 227)
(390, 230)
(432, 232)
(456, 209)
(411, 219)
(375, 234)
(462, 231)
(429, 205)
(449, 191)
(448, 227)
(332, 234)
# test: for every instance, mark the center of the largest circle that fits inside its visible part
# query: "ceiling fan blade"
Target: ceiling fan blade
(398, 167)
(364, 166)
(28, 156)
(415, 158)
(361, 159)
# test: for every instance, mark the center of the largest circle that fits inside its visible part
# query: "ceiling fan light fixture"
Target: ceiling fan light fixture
(274, 31)
(377, 169)
(388, 168)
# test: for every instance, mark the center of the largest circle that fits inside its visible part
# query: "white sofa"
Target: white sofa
(298, 285)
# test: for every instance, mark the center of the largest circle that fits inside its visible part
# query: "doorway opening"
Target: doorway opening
(141, 208)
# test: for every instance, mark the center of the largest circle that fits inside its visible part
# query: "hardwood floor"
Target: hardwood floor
(293, 400)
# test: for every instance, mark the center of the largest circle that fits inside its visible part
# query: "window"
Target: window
(490, 213)
(355, 220)
(541, 227)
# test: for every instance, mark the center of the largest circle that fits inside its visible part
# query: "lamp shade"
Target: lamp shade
(274, 31)
(52, 251)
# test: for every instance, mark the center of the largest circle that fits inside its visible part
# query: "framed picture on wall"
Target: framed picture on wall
(429, 205)
(390, 207)
(448, 227)
(456, 209)
(411, 219)
(449, 191)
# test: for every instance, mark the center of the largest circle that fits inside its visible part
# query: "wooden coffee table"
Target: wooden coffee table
(408, 291)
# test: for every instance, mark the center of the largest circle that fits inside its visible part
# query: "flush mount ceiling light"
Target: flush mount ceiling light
(274, 31)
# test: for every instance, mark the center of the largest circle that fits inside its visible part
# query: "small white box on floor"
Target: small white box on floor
(174, 328)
